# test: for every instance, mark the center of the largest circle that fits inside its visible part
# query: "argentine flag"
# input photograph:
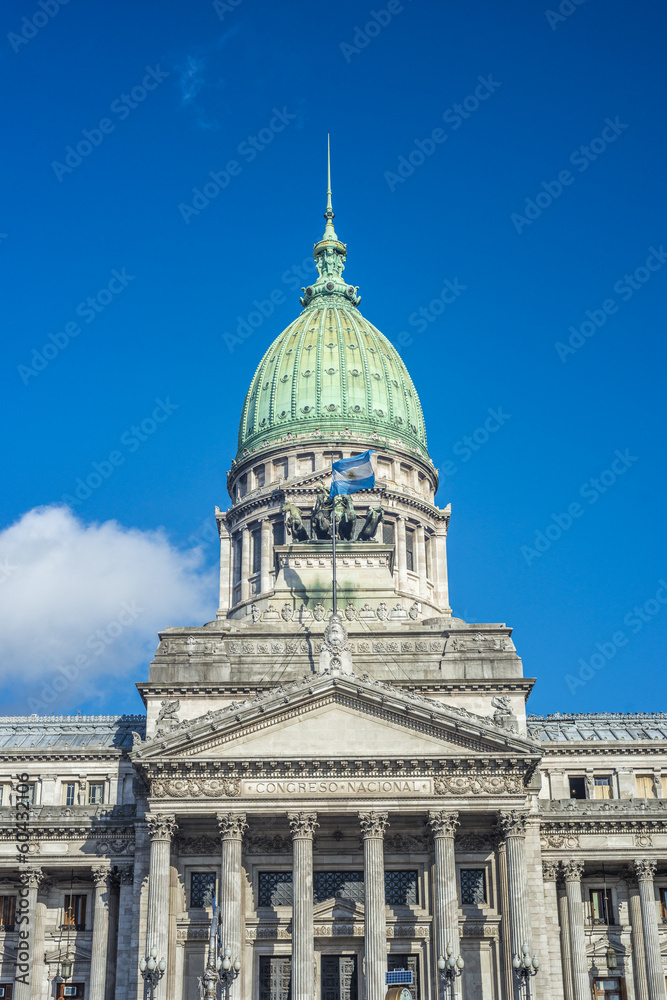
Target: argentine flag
(352, 474)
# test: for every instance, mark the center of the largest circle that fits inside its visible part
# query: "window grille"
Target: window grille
(75, 912)
(338, 885)
(473, 886)
(96, 793)
(275, 889)
(202, 888)
(401, 888)
(70, 794)
(275, 978)
(7, 913)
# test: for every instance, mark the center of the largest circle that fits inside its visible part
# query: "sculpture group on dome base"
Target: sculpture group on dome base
(324, 512)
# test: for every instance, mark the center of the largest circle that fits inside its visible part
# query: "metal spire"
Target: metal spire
(329, 231)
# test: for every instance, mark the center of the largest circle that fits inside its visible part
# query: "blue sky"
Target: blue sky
(514, 151)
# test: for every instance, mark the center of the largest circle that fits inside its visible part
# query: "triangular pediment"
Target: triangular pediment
(335, 716)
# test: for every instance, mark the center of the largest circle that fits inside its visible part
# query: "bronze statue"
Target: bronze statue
(370, 525)
(322, 513)
(294, 523)
(346, 518)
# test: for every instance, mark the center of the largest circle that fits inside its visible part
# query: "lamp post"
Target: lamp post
(525, 966)
(220, 969)
(152, 971)
(450, 968)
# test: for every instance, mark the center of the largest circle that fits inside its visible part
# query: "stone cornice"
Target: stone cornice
(600, 748)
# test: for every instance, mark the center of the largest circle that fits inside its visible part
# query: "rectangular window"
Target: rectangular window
(7, 913)
(338, 885)
(278, 532)
(6, 991)
(75, 912)
(427, 550)
(401, 888)
(279, 469)
(410, 549)
(305, 463)
(384, 468)
(409, 962)
(202, 888)
(645, 786)
(260, 476)
(274, 889)
(602, 787)
(70, 793)
(242, 487)
(238, 543)
(338, 979)
(96, 793)
(332, 456)
(609, 989)
(31, 795)
(275, 978)
(387, 532)
(473, 886)
(601, 909)
(577, 787)
(256, 542)
(71, 990)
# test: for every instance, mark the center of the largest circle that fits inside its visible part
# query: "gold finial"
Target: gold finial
(329, 232)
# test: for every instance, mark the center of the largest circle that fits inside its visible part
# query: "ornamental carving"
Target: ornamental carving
(560, 842)
(302, 825)
(573, 870)
(643, 840)
(373, 824)
(186, 788)
(550, 870)
(472, 784)
(103, 848)
(161, 827)
(644, 869)
(167, 719)
(101, 876)
(513, 823)
(232, 825)
(407, 843)
(443, 824)
(472, 842)
(268, 845)
(126, 875)
(197, 845)
(31, 879)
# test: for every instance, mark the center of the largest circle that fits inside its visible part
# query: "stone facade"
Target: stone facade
(361, 792)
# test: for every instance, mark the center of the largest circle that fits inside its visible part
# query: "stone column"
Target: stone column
(443, 826)
(373, 825)
(302, 825)
(439, 556)
(564, 926)
(161, 829)
(245, 564)
(124, 961)
(645, 870)
(98, 958)
(420, 556)
(550, 871)
(26, 976)
(232, 827)
(226, 584)
(267, 561)
(112, 949)
(38, 981)
(637, 937)
(505, 935)
(581, 987)
(401, 557)
(513, 825)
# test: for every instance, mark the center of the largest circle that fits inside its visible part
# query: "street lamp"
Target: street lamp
(152, 971)
(525, 966)
(220, 969)
(449, 968)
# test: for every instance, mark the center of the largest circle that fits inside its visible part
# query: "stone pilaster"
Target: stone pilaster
(572, 872)
(645, 871)
(232, 827)
(401, 556)
(161, 829)
(303, 826)
(245, 564)
(125, 944)
(373, 825)
(226, 584)
(38, 980)
(513, 825)
(550, 872)
(564, 931)
(636, 936)
(505, 932)
(266, 554)
(98, 958)
(26, 974)
(420, 556)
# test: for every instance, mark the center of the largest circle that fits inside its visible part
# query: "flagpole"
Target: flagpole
(333, 548)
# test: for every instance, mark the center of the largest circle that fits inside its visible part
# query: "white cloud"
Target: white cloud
(98, 592)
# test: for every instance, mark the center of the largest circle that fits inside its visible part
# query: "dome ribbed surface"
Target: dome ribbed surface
(330, 370)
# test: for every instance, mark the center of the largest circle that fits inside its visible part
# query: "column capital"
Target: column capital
(161, 826)
(232, 825)
(101, 876)
(126, 875)
(550, 871)
(644, 869)
(302, 825)
(573, 870)
(443, 823)
(513, 823)
(31, 879)
(373, 824)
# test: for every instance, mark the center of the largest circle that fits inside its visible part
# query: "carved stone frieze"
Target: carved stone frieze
(267, 844)
(560, 841)
(104, 848)
(479, 784)
(407, 843)
(481, 930)
(187, 788)
(197, 845)
(473, 842)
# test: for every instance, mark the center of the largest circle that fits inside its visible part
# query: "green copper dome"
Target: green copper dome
(331, 369)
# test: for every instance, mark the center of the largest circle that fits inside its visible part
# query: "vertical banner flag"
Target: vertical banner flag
(352, 474)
